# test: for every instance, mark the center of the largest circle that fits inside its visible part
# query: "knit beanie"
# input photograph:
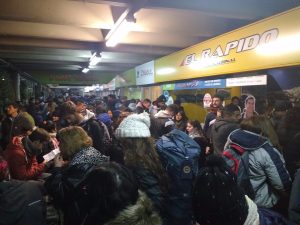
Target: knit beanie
(134, 126)
(217, 199)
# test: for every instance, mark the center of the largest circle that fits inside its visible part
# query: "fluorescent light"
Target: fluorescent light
(119, 33)
(85, 70)
(95, 59)
(165, 71)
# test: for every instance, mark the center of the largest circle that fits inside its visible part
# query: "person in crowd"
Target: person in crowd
(143, 106)
(268, 174)
(162, 120)
(249, 110)
(141, 157)
(181, 121)
(194, 130)
(290, 139)
(111, 102)
(278, 115)
(82, 109)
(21, 154)
(218, 200)
(216, 104)
(269, 131)
(21, 202)
(235, 100)
(294, 204)
(224, 125)
(14, 124)
(103, 116)
(113, 198)
(158, 104)
(76, 159)
(70, 117)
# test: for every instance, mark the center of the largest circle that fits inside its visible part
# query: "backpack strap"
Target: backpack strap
(237, 150)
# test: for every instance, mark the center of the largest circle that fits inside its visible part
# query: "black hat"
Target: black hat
(217, 199)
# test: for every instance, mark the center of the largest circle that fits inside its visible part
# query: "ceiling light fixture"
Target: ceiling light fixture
(121, 28)
(85, 70)
(95, 59)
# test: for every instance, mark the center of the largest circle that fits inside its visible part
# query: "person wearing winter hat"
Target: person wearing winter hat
(218, 200)
(141, 157)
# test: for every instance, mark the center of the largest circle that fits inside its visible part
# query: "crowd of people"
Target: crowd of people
(115, 161)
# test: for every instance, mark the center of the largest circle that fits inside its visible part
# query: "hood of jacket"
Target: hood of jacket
(220, 122)
(88, 155)
(248, 140)
(162, 114)
(140, 213)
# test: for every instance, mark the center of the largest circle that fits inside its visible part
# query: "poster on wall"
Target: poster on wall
(145, 73)
(207, 100)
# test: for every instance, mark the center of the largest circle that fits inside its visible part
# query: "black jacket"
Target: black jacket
(67, 188)
(220, 132)
(21, 203)
(148, 182)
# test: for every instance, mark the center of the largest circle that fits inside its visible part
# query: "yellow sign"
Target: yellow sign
(272, 42)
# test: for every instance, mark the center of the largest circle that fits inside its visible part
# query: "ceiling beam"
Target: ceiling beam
(71, 13)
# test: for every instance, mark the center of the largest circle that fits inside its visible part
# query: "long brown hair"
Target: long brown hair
(141, 152)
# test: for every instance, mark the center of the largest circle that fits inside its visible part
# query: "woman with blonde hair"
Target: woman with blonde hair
(76, 160)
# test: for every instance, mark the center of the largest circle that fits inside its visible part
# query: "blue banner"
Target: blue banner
(200, 84)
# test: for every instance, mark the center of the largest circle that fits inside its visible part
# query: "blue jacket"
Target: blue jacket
(267, 169)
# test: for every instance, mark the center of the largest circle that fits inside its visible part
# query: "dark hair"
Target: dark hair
(109, 188)
(100, 109)
(252, 124)
(230, 109)
(219, 96)
(141, 152)
(196, 124)
(13, 104)
(147, 100)
(173, 108)
(235, 98)
(182, 113)
(39, 134)
(67, 108)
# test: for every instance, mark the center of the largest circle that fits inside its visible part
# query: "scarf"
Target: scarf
(253, 216)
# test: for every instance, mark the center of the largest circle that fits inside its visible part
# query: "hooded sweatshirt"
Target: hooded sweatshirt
(267, 170)
(220, 132)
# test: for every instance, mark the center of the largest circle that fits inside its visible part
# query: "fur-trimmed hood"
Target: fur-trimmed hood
(142, 213)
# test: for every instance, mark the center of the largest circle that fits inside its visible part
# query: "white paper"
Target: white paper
(51, 155)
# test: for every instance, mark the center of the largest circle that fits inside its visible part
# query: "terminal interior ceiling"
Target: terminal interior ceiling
(53, 37)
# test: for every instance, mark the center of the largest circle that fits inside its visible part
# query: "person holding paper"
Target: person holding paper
(21, 155)
(76, 160)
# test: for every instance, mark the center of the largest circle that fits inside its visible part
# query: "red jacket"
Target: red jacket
(22, 166)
